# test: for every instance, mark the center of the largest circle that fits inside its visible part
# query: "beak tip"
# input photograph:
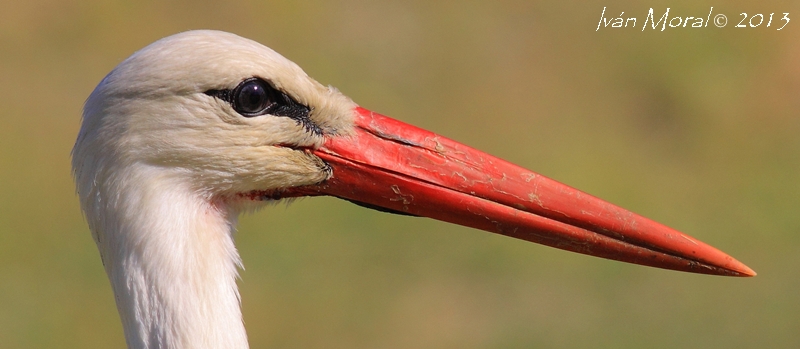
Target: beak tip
(721, 263)
(745, 271)
(732, 267)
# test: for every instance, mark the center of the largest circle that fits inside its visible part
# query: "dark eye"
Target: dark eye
(255, 96)
(252, 97)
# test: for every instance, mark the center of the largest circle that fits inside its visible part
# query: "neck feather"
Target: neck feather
(171, 259)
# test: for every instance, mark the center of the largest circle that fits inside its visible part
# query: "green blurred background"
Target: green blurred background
(696, 128)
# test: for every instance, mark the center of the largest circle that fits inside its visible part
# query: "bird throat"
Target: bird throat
(173, 267)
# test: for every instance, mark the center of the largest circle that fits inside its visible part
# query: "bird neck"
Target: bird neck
(172, 263)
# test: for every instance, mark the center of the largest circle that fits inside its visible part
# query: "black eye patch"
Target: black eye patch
(255, 97)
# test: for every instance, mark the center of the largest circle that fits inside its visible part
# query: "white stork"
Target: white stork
(186, 133)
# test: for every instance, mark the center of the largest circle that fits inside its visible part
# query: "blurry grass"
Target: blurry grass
(697, 129)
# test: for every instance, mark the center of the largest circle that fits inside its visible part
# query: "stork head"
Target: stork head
(235, 122)
(218, 112)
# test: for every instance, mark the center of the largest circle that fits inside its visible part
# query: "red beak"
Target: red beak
(394, 166)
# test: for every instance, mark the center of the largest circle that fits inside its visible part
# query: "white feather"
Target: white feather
(158, 166)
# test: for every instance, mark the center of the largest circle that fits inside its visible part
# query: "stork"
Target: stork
(193, 129)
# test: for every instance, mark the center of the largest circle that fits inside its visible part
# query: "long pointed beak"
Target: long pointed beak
(399, 167)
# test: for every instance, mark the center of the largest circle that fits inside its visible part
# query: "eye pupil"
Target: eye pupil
(252, 98)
